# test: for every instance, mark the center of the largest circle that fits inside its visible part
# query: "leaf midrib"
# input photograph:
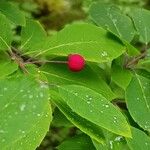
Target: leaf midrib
(94, 108)
(62, 45)
(143, 93)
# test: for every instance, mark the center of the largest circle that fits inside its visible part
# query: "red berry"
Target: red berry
(76, 62)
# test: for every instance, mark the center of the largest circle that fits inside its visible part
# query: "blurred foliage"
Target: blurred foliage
(55, 14)
(56, 136)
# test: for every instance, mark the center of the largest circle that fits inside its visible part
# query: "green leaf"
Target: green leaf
(5, 33)
(121, 76)
(139, 140)
(33, 36)
(144, 64)
(84, 125)
(120, 93)
(36, 135)
(141, 20)
(7, 66)
(143, 72)
(102, 70)
(138, 100)
(86, 39)
(25, 113)
(12, 13)
(95, 108)
(112, 141)
(131, 50)
(79, 142)
(59, 119)
(99, 146)
(112, 19)
(59, 74)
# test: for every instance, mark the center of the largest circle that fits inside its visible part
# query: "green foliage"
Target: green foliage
(87, 40)
(75, 39)
(60, 75)
(112, 141)
(7, 66)
(142, 23)
(25, 112)
(79, 142)
(121, 76)
(112, 19)
(144, 64)
(5, 33)
(136, 142)
(30, 34)
(60, 120)
(13, 13)
(36, 84)
(83, 124)
(140, 100)
(88, 105)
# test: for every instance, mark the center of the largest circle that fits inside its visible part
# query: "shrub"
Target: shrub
(108, 99)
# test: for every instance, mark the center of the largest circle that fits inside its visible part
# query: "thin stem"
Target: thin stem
(15, 57)
(46, 61)
(135, 60)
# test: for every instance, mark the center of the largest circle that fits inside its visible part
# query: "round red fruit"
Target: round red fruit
(76, 62)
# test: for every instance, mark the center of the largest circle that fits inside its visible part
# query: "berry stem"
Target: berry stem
(47, 61)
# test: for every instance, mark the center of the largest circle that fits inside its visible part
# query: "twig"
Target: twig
(135, 60)
(46, 61)
(19, 61)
